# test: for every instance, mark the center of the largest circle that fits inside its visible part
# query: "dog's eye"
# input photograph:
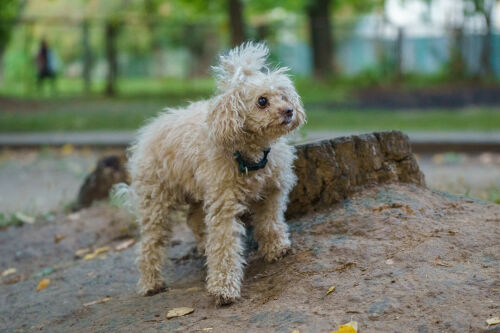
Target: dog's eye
(262, 102)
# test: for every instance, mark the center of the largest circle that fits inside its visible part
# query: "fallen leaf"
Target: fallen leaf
(25, 218)
(101, 250)
(44, 283)
(179, 312)
(295, 331)
(350, 327)
(14, 279)
(44, 272)
(81, 252)
(99, 301)
(67, 149)
(96, 252)
(125, 244)
(330, 290)
(74, 216)
(493, 321)
(442, 263)
(89, 256)
(58, 238)
(9, 271)
(344, 267)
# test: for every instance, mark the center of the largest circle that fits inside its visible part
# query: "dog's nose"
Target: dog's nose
(288, 112)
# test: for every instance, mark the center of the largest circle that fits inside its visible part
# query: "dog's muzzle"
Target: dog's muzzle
(287, 115)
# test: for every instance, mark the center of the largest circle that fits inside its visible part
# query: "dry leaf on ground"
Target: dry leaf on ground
(96, 252)
(44, 283)
(125, 244)
(493, 321)
(81, 252)
(89, 256)
(101, 250)
(99, 301)
(14, 279)
(58, 238)
(330, 290)
(179, 312)
(350, 327)
(25, 218)
(9, 271)
(67, 149)
(440, 263)
(74, 216)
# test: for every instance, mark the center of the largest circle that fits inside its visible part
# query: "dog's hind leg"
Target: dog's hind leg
(195, 221)
(155, 235)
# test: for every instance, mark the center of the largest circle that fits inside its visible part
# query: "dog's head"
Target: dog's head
(253, 101)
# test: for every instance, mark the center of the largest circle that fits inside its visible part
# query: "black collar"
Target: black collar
(245, 166)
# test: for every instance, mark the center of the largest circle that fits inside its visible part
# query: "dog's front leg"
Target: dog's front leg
(270, 228)
(224, 248)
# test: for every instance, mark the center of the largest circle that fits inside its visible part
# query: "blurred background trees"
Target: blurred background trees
(102, 42)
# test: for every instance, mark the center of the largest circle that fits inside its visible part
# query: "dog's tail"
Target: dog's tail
(124, 195)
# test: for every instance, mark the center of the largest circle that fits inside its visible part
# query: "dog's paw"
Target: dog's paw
(224, 300)
(274, 253)
(224, 294)
(150, 290)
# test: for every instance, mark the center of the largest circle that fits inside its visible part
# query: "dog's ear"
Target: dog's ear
(245, 60)
(225, 118)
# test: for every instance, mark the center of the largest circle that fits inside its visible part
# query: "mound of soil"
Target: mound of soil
(402, 259)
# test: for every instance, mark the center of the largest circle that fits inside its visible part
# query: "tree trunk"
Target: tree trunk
(87, 57)
(1, 65)
(236, 23)
(321, 37)
(111, 57)
(399, 54)
(486, 68)
(457, 61)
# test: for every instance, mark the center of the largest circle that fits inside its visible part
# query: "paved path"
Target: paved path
(421, 141)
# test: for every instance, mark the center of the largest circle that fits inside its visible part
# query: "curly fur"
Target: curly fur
(185, 156)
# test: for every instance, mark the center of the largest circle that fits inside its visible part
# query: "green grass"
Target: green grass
(139, 99)
(127, 115)
(173, 90)
(469, 119)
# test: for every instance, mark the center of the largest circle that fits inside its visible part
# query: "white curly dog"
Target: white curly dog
(223, 157)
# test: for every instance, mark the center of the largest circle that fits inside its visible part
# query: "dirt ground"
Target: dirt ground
(401, 258)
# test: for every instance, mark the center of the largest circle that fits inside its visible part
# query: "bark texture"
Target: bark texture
(328, 171)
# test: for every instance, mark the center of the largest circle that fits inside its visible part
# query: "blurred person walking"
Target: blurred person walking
(45, 61)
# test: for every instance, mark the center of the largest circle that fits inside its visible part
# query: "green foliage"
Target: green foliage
(21, 68)
(9, 10)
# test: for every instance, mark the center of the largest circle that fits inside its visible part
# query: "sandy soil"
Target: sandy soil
(402, 259)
